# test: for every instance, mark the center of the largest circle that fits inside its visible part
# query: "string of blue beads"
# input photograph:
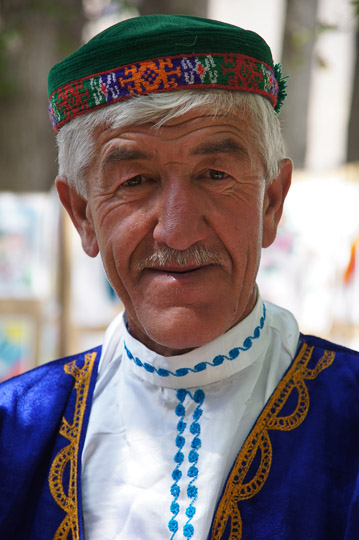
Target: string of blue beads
(192, 490)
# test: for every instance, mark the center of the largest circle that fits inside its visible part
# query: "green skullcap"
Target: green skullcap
(162, 53)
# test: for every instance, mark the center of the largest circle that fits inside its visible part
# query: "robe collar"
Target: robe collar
(223, 357)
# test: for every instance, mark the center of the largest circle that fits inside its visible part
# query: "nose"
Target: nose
(180, 215)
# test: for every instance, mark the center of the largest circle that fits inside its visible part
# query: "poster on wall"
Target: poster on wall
(27, 230)
(16, 345)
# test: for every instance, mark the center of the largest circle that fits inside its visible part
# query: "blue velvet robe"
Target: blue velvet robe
(295, 478)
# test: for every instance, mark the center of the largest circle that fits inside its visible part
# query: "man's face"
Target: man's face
(195, 186)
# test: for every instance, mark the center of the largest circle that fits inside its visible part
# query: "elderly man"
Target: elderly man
(205, 414)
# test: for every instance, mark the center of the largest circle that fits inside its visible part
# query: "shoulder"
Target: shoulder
(341, 358)
(335, 370)
(324, 345)
(33, 404)
(38, 410)
(42, 387)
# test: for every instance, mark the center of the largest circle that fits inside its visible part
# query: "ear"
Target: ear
(78, 209)
(275, 194)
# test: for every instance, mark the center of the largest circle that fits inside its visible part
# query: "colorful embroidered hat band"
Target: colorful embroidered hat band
(162, 53)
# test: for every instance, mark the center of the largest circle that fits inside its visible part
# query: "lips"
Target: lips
(176, 270)
(172, 274)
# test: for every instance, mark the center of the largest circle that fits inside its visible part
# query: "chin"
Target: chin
(180, 332)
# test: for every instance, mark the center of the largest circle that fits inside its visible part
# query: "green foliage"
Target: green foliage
(49, 10)
(127, 4)
(63, 16)
(322, 28)
(9, 37)
(355, 4)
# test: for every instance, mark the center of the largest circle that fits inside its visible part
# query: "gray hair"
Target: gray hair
(77, 143)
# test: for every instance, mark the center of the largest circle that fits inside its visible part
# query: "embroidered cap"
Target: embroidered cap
(162, 53)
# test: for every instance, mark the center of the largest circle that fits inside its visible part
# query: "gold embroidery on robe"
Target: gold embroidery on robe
(258, 441)
(67, 456)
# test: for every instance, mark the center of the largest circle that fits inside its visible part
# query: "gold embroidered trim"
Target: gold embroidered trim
(68, 455)
(237, 489)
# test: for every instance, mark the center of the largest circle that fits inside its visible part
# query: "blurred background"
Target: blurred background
(54, 300)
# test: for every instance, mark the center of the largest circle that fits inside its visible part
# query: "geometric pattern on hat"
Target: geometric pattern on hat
(125, 61)
(212, 71)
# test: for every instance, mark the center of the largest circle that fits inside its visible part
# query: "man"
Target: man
(205, 414)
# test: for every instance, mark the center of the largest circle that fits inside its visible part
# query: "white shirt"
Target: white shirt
(158, 449)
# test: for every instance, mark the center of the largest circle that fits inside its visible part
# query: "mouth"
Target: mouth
(175, 271)
(189, 281)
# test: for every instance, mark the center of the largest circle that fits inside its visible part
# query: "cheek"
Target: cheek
(243, 240)
(109, 228)
(116, 225)
(241, 225)
(120, 235)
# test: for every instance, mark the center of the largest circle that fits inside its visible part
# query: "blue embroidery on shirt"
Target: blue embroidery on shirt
(179, 457)
(217, 360)
(192, 472)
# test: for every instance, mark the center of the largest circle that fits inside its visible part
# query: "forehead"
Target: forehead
(192, 128)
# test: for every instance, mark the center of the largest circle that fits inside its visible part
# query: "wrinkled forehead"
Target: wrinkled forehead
(172, 123)
(198, 125)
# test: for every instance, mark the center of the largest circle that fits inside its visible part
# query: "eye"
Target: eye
(217, 175)
(133, 182)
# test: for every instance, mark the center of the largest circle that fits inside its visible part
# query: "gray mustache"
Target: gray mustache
(194, 255)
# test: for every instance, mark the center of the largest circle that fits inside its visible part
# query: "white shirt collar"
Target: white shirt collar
(228, 354)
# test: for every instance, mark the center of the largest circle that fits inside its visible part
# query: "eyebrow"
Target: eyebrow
(226, 146)
(124, 154)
